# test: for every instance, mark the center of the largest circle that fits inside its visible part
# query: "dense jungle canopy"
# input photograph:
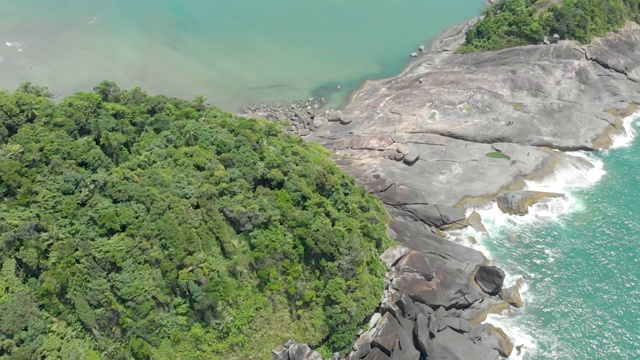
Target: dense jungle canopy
(138, 226)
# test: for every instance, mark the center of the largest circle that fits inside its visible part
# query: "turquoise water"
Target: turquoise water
(583, 270)
(233, 52)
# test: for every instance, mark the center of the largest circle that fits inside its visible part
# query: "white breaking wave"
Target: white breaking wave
(624, 140)
(16, 45)
(576, 171)
(523, 343)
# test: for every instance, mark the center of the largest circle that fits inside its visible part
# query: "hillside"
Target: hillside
(137, 226)
(511, 23)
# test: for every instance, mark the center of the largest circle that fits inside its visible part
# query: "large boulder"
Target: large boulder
(490, 279)
(496, 339)
(393, 340)
(280, 353)
(512, 296)
(475, 220)
(518, 202)
(376, 354)
(393, 254)
(298, 351)
(415, 262)
(451, 345)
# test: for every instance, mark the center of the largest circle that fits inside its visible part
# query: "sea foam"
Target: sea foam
(578, 170)
(16, 45)
(625, 139)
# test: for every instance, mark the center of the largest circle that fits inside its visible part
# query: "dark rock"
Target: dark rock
(376, 354)
(421, 334)
(411, 159)
(490, 279)
(344, 120)
(390, 333)
(407, 306)
(298, 351)
(450, 345)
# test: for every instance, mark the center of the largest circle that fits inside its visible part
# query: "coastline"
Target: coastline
(387, 125)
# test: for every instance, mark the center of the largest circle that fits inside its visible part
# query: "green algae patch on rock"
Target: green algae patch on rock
(497, 155)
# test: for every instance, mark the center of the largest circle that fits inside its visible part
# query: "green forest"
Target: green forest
(510, 23)
(143, 227)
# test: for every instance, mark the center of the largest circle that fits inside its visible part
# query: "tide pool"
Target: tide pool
(232, 52)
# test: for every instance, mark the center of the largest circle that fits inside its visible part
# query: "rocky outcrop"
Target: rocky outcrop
(472, 128)
(519, 202)
(490, 279)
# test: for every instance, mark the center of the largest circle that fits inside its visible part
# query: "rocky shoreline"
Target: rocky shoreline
(452, 133)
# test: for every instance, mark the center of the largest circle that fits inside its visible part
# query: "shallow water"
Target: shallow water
(582, 268)
(233, 52)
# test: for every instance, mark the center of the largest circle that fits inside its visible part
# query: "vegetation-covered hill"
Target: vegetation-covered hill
(511, 23)
(136, 226)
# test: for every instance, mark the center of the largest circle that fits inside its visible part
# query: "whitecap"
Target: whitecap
(520, 337)
(16, 45)
(625, 139)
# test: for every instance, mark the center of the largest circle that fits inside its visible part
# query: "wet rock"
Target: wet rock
(490, 279)
(512, 296)
(498, 340)
(475, 221)
(345, 120)
(518, 202)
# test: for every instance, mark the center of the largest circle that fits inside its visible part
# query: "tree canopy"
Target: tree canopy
(511, 23)
(138, 226)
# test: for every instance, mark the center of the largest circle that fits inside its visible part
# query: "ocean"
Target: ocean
(232, 52)
(580, 258)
